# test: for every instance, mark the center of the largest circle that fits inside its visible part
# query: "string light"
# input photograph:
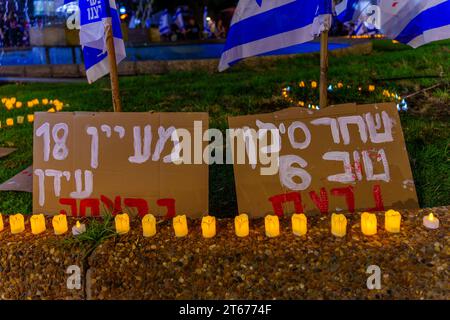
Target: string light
(287, 95)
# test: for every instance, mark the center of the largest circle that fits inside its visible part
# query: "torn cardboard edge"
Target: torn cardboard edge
(23, 181)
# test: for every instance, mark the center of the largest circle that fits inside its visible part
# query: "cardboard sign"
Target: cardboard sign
(343, 158)
(86, 163)
(6, 151)
(23, 181)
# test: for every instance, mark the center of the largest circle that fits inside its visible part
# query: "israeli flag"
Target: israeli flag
(179, 21)
(95, 15)
(263, 26)
(413, 22)
(164, 24)
(206, 28)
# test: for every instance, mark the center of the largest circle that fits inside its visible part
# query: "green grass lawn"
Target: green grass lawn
(247, 90)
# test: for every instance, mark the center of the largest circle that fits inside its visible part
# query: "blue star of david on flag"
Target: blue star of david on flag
(259, 2)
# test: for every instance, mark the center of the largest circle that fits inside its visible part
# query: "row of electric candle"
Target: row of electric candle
(272, 224)
(19, 120)
(299, 223)
(38, 225)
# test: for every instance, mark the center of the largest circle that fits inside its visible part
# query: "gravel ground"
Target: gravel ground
(34, 267)
(414, 263)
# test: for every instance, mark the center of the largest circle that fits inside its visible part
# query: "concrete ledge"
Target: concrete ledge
(12, 71)
(65, 71)
(129, 68)
(38, 71)
(151, 67)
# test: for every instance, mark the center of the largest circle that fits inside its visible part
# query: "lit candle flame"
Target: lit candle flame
(78, 224)
(431, 217)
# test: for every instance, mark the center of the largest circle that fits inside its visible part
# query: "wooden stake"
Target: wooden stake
(323, 70)
(113, 68)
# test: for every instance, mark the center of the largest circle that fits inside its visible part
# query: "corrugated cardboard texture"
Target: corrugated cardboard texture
(117, 182)
(259, 195)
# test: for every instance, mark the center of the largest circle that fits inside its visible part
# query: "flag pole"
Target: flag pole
(323, 69)
(113, 74)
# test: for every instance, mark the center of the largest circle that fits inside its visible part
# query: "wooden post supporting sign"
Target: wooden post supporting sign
(113, 67)
(323, 70)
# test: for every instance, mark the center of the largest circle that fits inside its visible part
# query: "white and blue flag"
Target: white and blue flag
(178, 18)
(95, 15)
(413, 22)
(263, 26)
(164, 23)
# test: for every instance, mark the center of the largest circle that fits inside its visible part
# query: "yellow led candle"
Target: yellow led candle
(20, 119)
(30, 118)
(59, 223)
(368, 223)
(13, 100)
(241, 225)
(1, 223)
(272, 225)
(10, 122)
(45, 101)
(208, 227)
(17, 223)
(338, 225)
(51, 110)
(122, 222)
(180, 226)
(299, 224)
(313, 84)
(30, 104)
(37, 222)
(149, 225)
(18, 104)
(392, 220)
